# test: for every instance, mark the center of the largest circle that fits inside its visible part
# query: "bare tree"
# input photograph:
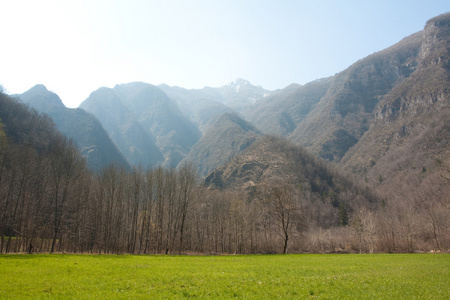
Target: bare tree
(65, 168)
(283, 205)
(186, 182)
(135, 182)
(146, 215)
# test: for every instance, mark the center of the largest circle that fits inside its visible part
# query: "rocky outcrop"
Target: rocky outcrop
(226, 137)
(436, 44)
(407, 142)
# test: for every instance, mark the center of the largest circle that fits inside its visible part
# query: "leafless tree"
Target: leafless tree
(186, 181)
(283, 206)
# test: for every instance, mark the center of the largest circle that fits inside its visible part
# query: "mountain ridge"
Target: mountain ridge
(412, 122)
(92, 140)
(357, 119)
(226, 136)
(122, 127)
(154, 119)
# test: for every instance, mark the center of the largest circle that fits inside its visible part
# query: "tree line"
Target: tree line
(51, 202)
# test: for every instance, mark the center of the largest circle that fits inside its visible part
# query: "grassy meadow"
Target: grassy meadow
(356, 276)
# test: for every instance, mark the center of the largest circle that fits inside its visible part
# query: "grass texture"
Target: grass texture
(300, 276)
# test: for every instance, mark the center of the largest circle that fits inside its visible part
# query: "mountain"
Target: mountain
(347, 109)
(24, 126)
(283, 110)
(330, 115)
(136, 145)
(380, 117)
(197, 106)
(87, 133)
(406, 149)
(272, 160)
(384, 119)
(203, 105)
(227, 136)
(238, 94)
(147, 125)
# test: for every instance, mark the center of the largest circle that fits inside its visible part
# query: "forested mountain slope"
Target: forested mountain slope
(40, 169)
(384, 121)
(225, 137)
(273, 161)
(26, 127)
(134, 142)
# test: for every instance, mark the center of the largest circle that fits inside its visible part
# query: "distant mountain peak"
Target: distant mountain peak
(239, 93)
(41, 98)
(39, 88)
(237, 83)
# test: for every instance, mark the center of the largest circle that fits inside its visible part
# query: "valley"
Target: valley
(355, 162)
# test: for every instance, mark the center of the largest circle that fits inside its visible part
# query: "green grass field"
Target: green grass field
(377, 276)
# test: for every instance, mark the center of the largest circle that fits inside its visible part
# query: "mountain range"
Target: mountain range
(384, 120)
(90, 136)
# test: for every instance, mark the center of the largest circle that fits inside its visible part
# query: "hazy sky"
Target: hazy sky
(75, 47)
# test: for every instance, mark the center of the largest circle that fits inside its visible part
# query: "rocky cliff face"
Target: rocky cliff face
(329, 116)
(347, 109)
(406, 146)
(435, 43)
(427, 87)
(385, 118)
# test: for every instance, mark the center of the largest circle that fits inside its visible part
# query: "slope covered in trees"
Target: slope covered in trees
(273, 161)
(50, 202)
(41, 174)
(225, 137)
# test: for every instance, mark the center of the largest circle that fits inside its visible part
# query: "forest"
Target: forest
(50, 201)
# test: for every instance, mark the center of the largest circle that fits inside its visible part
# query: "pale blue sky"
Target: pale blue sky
(75, 47)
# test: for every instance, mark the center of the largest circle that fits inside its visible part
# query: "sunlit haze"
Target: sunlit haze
(75, 47)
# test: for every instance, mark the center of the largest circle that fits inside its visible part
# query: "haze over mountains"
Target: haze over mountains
(93, 141)
(355, 162)
(384, 119)
(147, 126)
